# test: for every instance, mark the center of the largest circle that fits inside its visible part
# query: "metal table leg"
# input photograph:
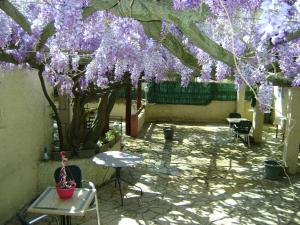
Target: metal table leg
(65, 220)
(119, 179)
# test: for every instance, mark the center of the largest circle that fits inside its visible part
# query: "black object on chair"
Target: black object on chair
(234, 115)
(242, 128)
(74, 173)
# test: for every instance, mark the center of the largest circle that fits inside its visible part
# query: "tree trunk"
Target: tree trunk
(99, 127)
(76, 130)
(54, 108)
(128, 106)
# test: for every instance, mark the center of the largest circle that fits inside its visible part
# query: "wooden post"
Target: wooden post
(128, 106)
(139, 95)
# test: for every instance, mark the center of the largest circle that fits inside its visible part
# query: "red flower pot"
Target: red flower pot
(66, 193)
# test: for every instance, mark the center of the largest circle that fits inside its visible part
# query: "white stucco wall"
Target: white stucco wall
(25, 129)
(216, 111)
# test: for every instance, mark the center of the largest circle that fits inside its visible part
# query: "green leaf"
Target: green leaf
(152, 10)
(293, 36)
(153, 29)
(15, 14)
(4, 57)
(48, 31)
(96, 5)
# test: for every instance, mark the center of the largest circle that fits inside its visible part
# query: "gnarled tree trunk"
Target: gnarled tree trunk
(99, 127)
(76, 129)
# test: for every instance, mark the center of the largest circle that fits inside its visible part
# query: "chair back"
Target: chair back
(73, 173)
(234, 115)
(244, 126)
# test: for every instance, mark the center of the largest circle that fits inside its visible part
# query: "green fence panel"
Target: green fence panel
(171, 92)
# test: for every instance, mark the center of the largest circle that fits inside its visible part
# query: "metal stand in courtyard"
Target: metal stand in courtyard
(118, 180)
(119, 160)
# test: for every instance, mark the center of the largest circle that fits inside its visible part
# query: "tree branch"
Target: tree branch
(152, 10)
(47, 32)
(53, 106)
(15, 14)
(153, 30)
(4, 57)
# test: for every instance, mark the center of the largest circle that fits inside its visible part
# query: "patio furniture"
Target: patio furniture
(242, 128)
(234, 115)
(118, 160)
(74, 172)
(49, 203)
(24, 221)
(231, 121)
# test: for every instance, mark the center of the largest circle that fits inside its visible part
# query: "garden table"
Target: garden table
(119, 160)
(49, 203)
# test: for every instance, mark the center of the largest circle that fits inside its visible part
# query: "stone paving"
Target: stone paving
(201, 177)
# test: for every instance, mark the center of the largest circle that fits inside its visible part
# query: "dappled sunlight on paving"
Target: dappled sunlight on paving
(200, 177)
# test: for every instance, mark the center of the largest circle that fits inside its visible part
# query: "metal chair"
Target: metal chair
(233, 115)
(24, 221)
(242, 128)
(74, 173)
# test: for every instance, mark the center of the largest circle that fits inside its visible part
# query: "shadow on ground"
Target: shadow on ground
(201, 177)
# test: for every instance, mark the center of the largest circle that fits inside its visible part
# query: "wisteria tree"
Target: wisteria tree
(87, 48)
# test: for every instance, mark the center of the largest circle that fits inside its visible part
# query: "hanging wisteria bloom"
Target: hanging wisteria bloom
(100, 49)
(265, 95)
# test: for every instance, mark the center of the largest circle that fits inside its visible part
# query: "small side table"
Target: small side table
(49, 203)
(119, 160)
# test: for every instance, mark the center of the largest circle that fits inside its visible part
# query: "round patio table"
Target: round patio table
(119, 160)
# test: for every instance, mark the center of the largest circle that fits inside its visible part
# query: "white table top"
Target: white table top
(50, 203)
(235, 120)
(117, 159)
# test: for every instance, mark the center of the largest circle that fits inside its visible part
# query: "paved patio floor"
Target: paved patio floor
(201, 177)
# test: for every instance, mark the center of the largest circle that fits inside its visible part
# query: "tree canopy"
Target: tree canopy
(79, 43)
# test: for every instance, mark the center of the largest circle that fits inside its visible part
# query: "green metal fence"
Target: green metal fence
(193, 94)
(171, 92)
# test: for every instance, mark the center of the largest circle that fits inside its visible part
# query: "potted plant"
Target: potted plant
(64, 187)
(87, 150)
(110, 137)
(103, 144)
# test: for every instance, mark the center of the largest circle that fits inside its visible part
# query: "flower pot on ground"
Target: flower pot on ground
(169, 133)
(273, 169)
